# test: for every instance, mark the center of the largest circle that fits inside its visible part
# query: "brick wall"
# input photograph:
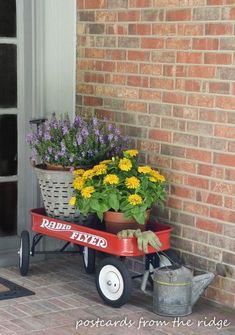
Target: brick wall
(164, 70)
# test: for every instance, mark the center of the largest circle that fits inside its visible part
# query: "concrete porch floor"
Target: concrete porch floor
(65, 294)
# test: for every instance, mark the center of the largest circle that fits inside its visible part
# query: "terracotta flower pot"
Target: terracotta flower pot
(115, 222)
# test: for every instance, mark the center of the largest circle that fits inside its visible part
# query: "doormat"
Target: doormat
(10, 290)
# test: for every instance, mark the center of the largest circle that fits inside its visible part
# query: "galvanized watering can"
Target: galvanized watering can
(176, 290)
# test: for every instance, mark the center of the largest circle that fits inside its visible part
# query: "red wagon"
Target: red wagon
(113, 280)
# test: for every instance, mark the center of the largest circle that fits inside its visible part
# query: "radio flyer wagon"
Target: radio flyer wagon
(113, 280)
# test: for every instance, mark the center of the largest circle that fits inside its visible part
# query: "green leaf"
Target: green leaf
(114, 201)
(140, 217)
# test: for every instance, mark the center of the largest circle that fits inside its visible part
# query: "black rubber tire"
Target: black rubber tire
(24, 253)
(173, 256)
(117, 268)
(88, 257)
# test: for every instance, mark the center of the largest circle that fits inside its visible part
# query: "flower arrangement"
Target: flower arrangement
(81, 143)
(120, 185)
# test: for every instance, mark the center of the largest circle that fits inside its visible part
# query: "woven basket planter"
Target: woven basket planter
(56, 189)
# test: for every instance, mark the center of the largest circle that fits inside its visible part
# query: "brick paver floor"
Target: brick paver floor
(66, 297)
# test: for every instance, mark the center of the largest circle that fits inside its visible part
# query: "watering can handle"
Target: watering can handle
(170, 259)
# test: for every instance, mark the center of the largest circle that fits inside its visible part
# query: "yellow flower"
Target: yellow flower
(156, 176)
(144, 169)
(132, 152)
(125, 164)
(134, 199)
(132, 182)
(99, 169)
(88, 174)
(78, 183)
(107, 161)
(111, 179)
(86, 192)
(78, 172)
(72, 201)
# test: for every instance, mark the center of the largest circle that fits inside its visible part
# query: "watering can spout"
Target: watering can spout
(199, 284)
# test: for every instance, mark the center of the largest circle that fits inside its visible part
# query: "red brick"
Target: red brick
(85, 89)
(174, 203)
(225, 131)
(175, 98)
(136, 106)
(228, 13)
(188, 85)
(211, 171)
(178, 15)
(221, 296)
(222, 214)
(209, 198)
(222, 187)
(139, 3)
(164, 29)
(153, 69)
(162, 83)
(138, 55)
(149, 94)
(96, 4)
(115, 54)
(92, 101)
(183, 165)
(217, 58)
(199, 155)
(115, 79)
(189, 57)
(152, 43)
(208, 225)
(225, 102)
(229, 202)
(196, 208)
(94, 77)
(224, 159)
(105, 16)
(160, 135)
(202, 72)
(138, 81)
(177, 43)
(188, 29)
(127, 67)
(94, 53)
(129, 16)
(230, 174)
(201, 100)
(185, 112)
(80, 4)
(219, 87)
(139, 29)
(205, 44)
(197, 182)
(183, 192)
(213, 115)
(219, 29)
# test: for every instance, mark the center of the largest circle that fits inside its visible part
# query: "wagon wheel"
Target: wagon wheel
(24, 252)
(113, 282)
(88, 257)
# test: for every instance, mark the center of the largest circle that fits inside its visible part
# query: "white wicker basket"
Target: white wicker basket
(56, 189)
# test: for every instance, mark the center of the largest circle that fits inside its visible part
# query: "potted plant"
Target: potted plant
(119, 190)
(60, 146)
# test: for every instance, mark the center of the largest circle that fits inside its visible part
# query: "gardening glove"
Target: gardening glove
(148, 237)
(126, 233)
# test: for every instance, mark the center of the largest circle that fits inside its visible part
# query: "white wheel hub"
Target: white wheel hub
(20, 252)
(111, 282)
(85, 256)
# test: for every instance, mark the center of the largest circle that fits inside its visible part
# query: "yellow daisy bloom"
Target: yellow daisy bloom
(111, 179)
(132, 152)
(86, 192)
(88, 174)
(78, 172)
(125, 164)
(106, 161)
(100, 169)
(134, 199)
(72, 201)
(132, 182)
(156, 176)
(144, 169)
(78, 183)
